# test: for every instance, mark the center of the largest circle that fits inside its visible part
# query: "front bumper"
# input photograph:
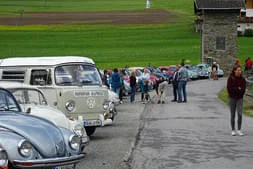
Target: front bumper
(48, 162)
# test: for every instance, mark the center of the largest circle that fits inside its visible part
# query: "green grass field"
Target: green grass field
(110, 46)
(183, 6)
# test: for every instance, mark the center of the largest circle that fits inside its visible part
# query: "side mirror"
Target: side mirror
(28, 111)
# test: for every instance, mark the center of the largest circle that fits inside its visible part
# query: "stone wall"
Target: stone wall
(222, 25)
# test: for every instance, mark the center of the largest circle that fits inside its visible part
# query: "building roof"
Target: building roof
(219, 4)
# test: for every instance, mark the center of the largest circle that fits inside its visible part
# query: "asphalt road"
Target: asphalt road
(110, 147)
(192, 135)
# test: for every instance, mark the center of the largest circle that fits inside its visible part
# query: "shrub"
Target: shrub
(248, 32)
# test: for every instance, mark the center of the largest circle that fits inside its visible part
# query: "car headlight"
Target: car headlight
(74, 142)
(106, 104)
(70, 105)
(79, 130)
(25, 148)
(3, 158)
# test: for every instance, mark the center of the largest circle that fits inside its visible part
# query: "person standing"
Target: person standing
(237, 62)
(175, 84)
(236, 86)
(182, 80)
(148, 4)
(145, 76)
(116, 81)
(133, 86)
(106, 78)
(215, 71)
(248, 64)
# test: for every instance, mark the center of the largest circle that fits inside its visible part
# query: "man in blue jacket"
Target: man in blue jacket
(116, 81)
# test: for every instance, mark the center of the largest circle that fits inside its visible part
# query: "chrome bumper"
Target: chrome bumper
(48, 162)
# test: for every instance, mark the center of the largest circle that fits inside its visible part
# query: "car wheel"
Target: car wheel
(90, 130)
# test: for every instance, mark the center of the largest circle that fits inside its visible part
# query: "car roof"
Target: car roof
(163, 67)
(134, 68)
(44, 61)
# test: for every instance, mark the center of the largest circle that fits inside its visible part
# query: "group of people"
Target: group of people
(179, 81)
(144, 82)
(236, 87)
(248, 65)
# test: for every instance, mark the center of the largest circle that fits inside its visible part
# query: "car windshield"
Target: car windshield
(172, 68)
(29, 96)
(78, 74)
(7, 102)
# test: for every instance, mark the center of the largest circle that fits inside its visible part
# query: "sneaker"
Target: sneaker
(120, 102)
(240, 133)
(159, 102)
(163, 102)
(233, 133)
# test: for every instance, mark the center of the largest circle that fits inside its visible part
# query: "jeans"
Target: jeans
(236, 105)
(133, 89)
(182, 88)
(175, 90)
(116, 90)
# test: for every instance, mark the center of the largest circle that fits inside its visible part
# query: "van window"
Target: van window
(28, 96)
(13, 75)
(78, 74)
(40, 77)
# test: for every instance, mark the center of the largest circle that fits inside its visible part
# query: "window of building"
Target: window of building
(220, 43)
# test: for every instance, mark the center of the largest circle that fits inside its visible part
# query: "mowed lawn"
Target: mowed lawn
(109, 45)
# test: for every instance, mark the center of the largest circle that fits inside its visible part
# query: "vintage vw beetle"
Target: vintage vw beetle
(33, 101)
(28, 141)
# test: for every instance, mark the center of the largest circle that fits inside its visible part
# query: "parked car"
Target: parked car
(192, 74)
(193, 71)
(220, 72)
(169, 70)
(33, 101)
(207, 68)
(72, 84)
(28, 141)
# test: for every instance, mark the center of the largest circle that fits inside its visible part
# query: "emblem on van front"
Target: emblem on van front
(91, 102)
(88, 93)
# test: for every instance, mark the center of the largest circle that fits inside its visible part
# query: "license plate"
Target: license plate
(91, 123)
(71, 166)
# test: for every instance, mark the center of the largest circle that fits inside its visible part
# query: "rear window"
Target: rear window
(13, 75)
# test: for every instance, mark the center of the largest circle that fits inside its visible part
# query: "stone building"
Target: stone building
(218, 28)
